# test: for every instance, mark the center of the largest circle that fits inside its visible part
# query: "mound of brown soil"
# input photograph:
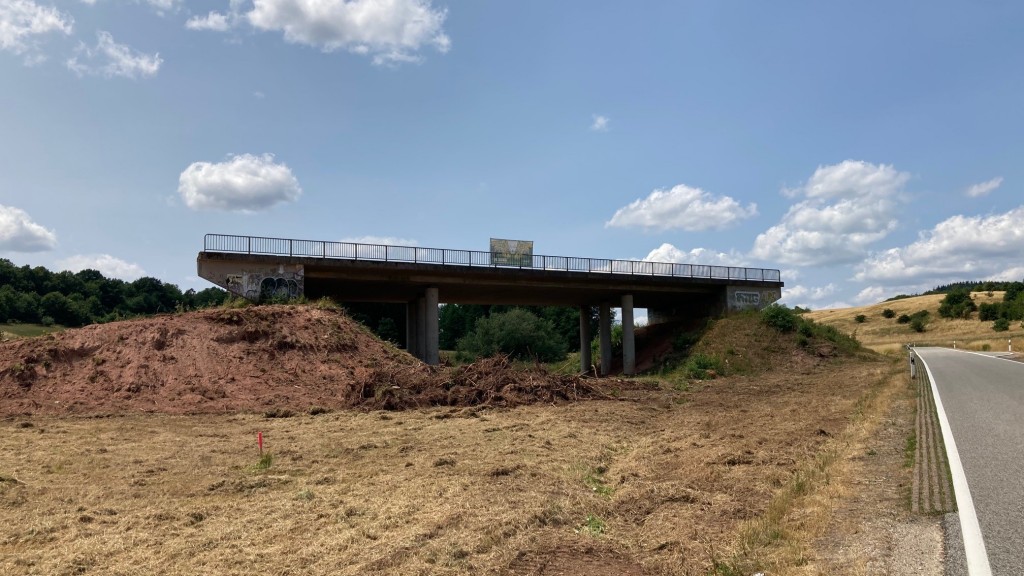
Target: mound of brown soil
(275, 359)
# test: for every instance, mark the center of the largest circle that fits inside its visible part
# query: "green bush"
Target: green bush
(917, 324)
(518, 333)
(780, 318)
(988, 312)
(903, 319)
(888, 313)
(957, 304)
(1001, 325)
(860, 318)
(703, 366)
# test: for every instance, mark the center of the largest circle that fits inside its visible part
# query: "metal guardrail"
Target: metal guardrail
(387, 253)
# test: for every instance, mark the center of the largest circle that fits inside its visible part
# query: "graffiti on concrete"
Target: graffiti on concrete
(236, 283)
(261, 284)
(277, 287)
(746, 299)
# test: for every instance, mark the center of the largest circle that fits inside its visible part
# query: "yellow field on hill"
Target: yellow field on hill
(886, 335)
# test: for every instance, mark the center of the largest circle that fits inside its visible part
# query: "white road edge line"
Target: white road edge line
(974, 546)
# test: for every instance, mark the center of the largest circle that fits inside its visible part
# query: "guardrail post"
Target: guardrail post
(248, 248)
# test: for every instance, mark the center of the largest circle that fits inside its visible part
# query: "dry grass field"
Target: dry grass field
(758, 471)
(887, 336)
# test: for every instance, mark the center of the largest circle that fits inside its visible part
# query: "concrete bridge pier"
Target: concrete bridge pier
(585, 337)
(604, 328)
(421, 327)
(628, 344)
(431, 335)
(412, 328)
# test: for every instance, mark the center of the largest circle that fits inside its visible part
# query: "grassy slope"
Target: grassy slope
(26, 330)
(886, 335)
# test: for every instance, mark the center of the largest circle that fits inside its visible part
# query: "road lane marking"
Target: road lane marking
(974, 546)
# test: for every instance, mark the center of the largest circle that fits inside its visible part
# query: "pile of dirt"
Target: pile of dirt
(274, 359)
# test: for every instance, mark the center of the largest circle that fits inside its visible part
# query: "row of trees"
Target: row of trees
(958, 304)
(39, 296)
(543, 332)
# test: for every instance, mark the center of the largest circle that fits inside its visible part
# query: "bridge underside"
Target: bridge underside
(421, 287)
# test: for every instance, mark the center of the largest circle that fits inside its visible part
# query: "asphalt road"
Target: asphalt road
(983, 398)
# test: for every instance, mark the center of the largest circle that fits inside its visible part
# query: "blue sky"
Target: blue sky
(865, 149)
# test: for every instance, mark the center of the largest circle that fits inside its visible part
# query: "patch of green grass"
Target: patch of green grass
(703, 366)
(593, 525)
(265, 461)
(910, 450)
(28, 330)
(595, 481)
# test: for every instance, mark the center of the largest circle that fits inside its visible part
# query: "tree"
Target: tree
(518, 333)
(387, 330)
(989, 311)
(917, 324)
(957, 304)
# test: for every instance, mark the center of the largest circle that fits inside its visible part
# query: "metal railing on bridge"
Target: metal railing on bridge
(414, 254)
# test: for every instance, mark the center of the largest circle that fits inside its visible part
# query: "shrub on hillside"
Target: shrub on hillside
(1001, 325)
(703, 366)
(860, 318)
(903, 319)
(780, 318)
(989, 311)
(917, 324)
(888, 313)
(957, 304)
(518, 333)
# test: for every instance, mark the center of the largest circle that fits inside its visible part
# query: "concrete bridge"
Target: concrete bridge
(423, 278)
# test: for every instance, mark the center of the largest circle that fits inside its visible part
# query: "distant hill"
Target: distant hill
(888, 335)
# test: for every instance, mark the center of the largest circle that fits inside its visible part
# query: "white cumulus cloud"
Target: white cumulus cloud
(381, 240)
(22, 22)
(243, 182)
(389, 31)
(215, 21)
(600, 123)
(106, 264)
(846, 208)
(682, 207)
(958, 248)
(808, 292)
(160, 5)
(983, 188)
(873, 294)
(109, 59)
(669, 253)
(19, 233)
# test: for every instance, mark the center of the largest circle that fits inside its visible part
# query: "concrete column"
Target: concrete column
(628, 346)
(412, 328)
(585, 360)
(605, 330)
(432, 336)
(421, 328)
